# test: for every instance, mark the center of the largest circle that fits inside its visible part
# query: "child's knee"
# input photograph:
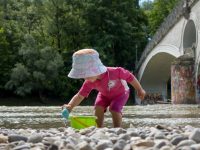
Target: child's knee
(115, 110)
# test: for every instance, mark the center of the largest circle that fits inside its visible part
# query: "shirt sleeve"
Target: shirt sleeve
(125, 74)
(85, 89)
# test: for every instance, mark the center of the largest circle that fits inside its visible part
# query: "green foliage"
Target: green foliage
(38, 70)
(10, 39)
(4, 58)
(20, 79)
(54, 29)
(64, 24)
(157, 12)
(115, 28)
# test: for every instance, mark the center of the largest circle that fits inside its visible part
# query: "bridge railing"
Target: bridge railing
(181, 9)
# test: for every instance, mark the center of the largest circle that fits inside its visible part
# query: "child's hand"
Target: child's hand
(141, 93)
(68, 107)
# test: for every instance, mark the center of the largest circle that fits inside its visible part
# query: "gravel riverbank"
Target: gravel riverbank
(151, 138)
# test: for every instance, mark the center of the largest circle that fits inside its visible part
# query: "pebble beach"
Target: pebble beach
(134, 138)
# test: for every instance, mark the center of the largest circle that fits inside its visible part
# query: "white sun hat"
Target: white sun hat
(86, 65)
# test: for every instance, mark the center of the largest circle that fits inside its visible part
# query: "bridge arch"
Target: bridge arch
(189, 35)
(154, 74)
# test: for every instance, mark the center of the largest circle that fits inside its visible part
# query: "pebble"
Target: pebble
(35, 138)
(3, 139)
(152, 138)
(195, 135)
(15, 137)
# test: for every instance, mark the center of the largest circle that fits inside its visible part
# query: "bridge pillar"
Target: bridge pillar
(182, 80)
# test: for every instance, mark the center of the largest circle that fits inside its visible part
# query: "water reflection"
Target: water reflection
(150, 115)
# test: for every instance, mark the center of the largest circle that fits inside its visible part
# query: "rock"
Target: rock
(186, 143)
(84, 146)
(134, 139)
(195, 146)
(61, 129)
(195, 135)
(159, 135)
(125, 137)
(189, 128)
(103, 144)
(86, 130)
(99, 136)
(119, 145)
(24, 132)
(53, 147)
(50, 140)
(69, 147)
(127, 147)
(177, 139)
(3, 139)
(38, 146)
(146, 143)
(159, 144)
(35, 148)
(4, 146)
(85, 138)
(185, 148)
(113, 139)
(15, 137)
(166, 147)
(142, 144)
(119, 131)
(35, 138)
(132, 133)
(72, 140)
(22, 147)
(143, 135)
(161, 127)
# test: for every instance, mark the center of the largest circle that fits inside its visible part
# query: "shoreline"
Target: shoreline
(28, 101)
(92, 138)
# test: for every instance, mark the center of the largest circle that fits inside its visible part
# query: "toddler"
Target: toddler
(110, 82)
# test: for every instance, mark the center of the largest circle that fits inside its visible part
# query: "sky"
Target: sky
(141, 1)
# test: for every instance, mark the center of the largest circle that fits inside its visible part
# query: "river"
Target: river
(134, 116)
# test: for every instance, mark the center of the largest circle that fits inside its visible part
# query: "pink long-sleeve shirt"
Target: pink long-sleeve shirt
(112, 83)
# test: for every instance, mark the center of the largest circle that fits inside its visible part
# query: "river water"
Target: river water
(134, 116)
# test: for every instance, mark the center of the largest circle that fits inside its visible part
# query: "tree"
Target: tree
(115, 28)
(38, 70)
(9, 42)
(64, 24)
(4, 58)
(160, 10)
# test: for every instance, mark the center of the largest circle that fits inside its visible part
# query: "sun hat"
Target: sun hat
(86, 63)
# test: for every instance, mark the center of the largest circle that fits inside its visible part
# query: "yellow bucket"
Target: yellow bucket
(80, 122)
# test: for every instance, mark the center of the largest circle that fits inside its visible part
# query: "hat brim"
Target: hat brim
(85, 73)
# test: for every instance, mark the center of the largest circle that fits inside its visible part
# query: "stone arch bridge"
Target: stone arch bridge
(177, 35)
